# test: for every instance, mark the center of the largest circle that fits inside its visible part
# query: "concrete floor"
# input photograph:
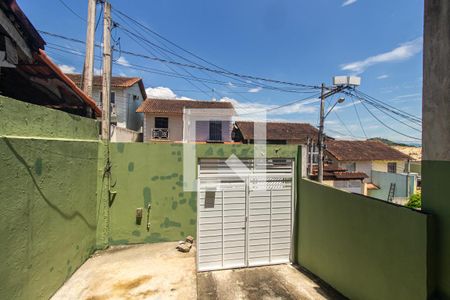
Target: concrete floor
(151, 271)
(159, 271)
(271, 282)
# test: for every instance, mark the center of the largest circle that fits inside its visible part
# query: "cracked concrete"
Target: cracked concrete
(261, 283)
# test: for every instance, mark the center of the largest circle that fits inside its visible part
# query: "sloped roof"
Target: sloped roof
(116, 81)
(280, 131)
(35, 78)
(175, 106)
(363, 151)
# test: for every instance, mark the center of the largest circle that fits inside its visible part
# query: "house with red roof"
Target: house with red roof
(175, 120)
(127, 94)
(28, 74)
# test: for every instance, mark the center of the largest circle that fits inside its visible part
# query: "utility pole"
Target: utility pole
(320, 138)
(88, 69)
(106, 92)
(340, 83)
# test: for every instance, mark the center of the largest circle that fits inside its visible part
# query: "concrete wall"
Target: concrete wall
(48, 198)
(153, 174)
(175, 126)
(436, 140)
(365, 248)
(23, 119)
(127, 117)
(383, 180)
(120, 134)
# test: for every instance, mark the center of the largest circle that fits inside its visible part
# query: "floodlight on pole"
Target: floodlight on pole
(340, 83)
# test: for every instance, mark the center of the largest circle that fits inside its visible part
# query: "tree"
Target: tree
(415, 201)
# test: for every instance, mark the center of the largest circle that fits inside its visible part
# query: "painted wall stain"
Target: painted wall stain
(209, 152)
(120, 147)
(220, 152)
(156, 237)
(168, 223)
(131, 167)
(38, 166)
(192, 221)
(183, 201)
(174, 205)
(193, 202)
(136, 233)
(147, 193)
(154, 178)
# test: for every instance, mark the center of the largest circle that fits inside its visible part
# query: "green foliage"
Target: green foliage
(415, 201)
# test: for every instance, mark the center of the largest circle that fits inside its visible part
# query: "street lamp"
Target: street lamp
(340, 83)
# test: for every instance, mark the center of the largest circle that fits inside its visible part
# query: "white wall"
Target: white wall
(175, 126)
(120, 134)
(127, 117)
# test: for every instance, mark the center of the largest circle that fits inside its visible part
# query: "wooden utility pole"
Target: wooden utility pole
(320, 138)
(106, 92)
(88, 69)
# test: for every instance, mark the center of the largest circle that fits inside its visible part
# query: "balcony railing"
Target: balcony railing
(160, 133)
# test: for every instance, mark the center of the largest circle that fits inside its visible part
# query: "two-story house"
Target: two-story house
(127, 94)
(187, 120)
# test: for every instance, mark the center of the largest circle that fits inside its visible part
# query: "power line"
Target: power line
(357, 114)
(387, 126)
(181, 48)
(71, 10)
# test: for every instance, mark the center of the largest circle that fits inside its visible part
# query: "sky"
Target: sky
(305, 42)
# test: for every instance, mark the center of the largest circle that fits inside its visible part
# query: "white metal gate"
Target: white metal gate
(246, 219)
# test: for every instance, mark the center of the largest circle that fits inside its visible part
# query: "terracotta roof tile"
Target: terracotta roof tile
(350, 175)
(280, 131)
(175, 106)
(116, 81)
(362, 151)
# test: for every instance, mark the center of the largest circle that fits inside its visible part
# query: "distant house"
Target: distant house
(127, 94)
(175, 120)
(27, 73)
(276, 132)
(384, 167)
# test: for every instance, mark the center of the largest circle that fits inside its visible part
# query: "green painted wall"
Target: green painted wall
(153, 173)
(47, 213)
(19, 118)
(436, 201)
(365, 248)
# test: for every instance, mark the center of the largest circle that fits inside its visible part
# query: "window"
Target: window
(112, 99)
(215, 130)
(392, 167)
(161, 122)
(350, 167)
(135, 97)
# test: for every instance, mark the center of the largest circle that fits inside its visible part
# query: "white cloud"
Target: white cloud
(408, 96)
(255, 90)
(402, 52)
(123, 61)
(384, 76)
(160, 92)
(163, 93)
(348, 2)
(97, 71)
(67, 69)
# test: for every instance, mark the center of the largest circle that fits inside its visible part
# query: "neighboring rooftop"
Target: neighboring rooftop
(363, 151)
(294, 132)
(31, 76)
(116, 81)
(175, 106)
